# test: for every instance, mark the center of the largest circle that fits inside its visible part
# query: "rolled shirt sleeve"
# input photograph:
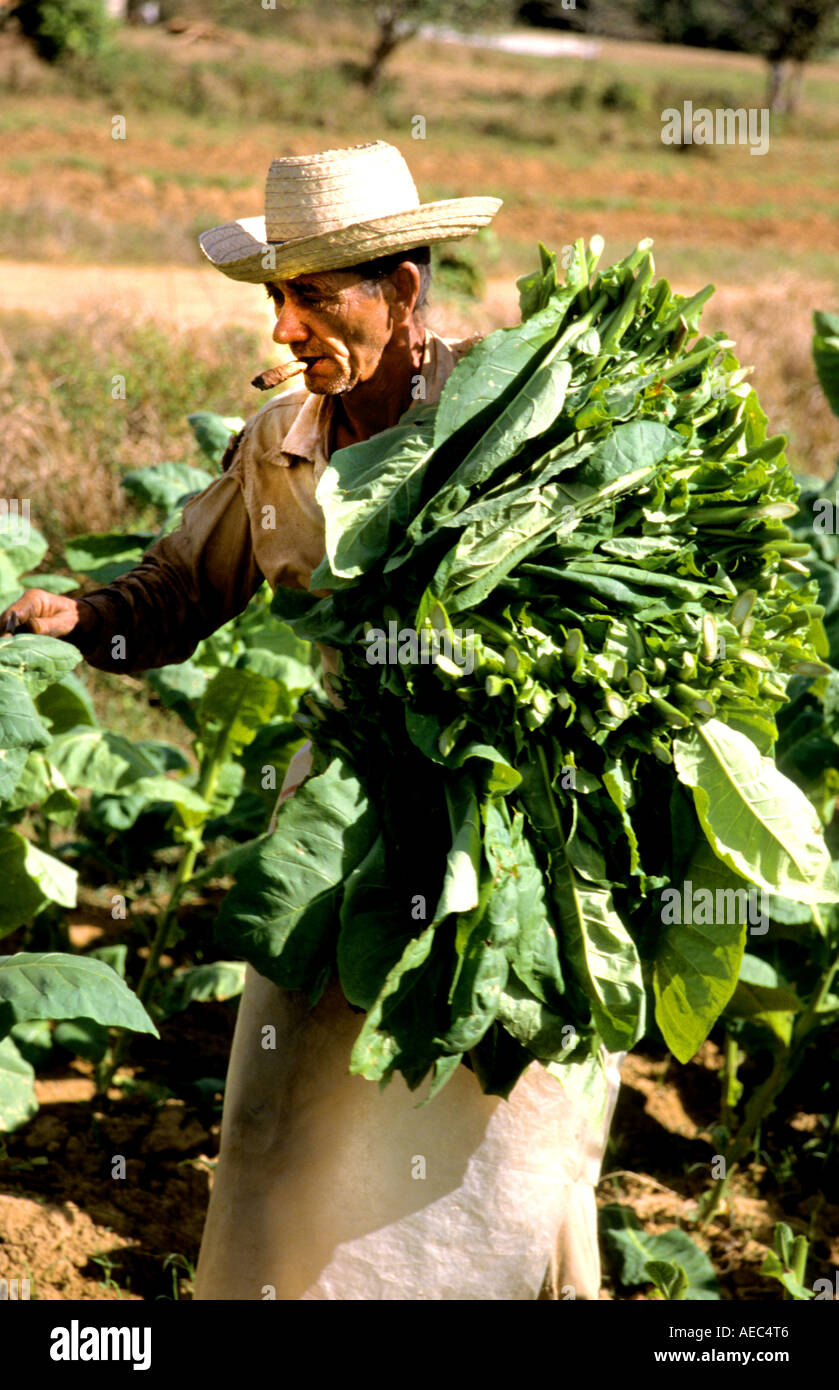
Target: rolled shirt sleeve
(187, 585)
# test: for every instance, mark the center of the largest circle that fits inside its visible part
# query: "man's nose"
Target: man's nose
(289, 327)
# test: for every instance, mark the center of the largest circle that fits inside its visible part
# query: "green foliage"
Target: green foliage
(826, 355)
(669, 1278)
(623, 96)
(788, 1262)
(45, 986)
(63, 28)
(212, 433)
(222, 979)
(671, 1261)
(776, 29)
(595, 507)
(59, 766)
(282, 913)
(784, 1004)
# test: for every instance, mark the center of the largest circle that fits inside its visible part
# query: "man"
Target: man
(326, 1187)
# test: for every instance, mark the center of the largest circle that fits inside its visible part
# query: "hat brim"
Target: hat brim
(240, 250)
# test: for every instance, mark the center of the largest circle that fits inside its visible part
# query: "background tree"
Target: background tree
(61, 28)
(789, 33)
(786, 33)
(400, 20)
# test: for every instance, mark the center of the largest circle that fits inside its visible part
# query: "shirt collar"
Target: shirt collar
(308, 438)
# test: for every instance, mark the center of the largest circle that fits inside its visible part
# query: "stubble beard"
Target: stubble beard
(338, 386)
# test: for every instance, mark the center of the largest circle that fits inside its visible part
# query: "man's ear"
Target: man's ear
(406, 284)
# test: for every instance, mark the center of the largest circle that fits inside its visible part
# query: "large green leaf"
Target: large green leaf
(603, 955)
(235, 705)
(20, 725)
(368, 495)
(630, 446)
(382, 1037)
(697, 963)
(17, 1088)
(377, 1048)
(605, 959)
(761, 989)
(99, 759)
(540, 1029)
(282, 913)
(31, 878)
(287, 658)
(520, 897)
(53, 583)
(221, 979)
(826, 355)
(632, 1248)
(375, 929)
(618, 784)
(463, 862)
(54, 985)
(165, 484)
(42, 784)
(66, 704)
(106, 555)
(531, 411)
(22, 546)
(82, 1037)
(180, 688)
(481, 973)
(756, 820)
(12, 763)
(213, 432)
(174, 790)
(489, 370)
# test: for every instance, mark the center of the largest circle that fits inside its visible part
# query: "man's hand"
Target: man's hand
(39, 611)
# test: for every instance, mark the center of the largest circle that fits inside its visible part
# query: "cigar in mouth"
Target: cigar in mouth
(274, 375)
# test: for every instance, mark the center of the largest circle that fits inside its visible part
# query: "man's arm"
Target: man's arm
(187, 585)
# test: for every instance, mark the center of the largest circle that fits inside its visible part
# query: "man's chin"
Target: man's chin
(328, 381)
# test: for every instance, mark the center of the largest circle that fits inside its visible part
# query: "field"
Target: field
(102, 276)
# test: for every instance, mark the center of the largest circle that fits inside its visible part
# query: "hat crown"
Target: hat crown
(309, 195)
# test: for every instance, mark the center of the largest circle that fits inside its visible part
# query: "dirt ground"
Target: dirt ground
(78, 1232)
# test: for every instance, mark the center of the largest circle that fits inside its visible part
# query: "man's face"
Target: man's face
(336, 324)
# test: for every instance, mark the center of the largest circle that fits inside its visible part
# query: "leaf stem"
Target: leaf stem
(207, 781)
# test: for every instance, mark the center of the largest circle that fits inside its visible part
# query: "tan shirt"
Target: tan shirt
(259, 520)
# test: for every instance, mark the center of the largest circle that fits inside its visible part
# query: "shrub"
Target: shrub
(60, 28)
(622, 96)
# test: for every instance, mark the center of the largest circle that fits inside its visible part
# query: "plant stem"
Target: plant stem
(729, 1080)
(205, 787)
(760, 1103)
(763, 1101)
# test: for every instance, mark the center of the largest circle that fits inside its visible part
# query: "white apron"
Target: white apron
(328, 1188)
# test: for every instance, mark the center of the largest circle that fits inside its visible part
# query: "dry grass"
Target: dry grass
(67, 440)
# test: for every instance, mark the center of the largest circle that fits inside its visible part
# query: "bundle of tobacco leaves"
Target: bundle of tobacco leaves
(567, 607)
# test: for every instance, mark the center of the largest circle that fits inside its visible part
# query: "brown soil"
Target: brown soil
(63, 1209)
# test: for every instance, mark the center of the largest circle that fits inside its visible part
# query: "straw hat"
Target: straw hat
(338, 208)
